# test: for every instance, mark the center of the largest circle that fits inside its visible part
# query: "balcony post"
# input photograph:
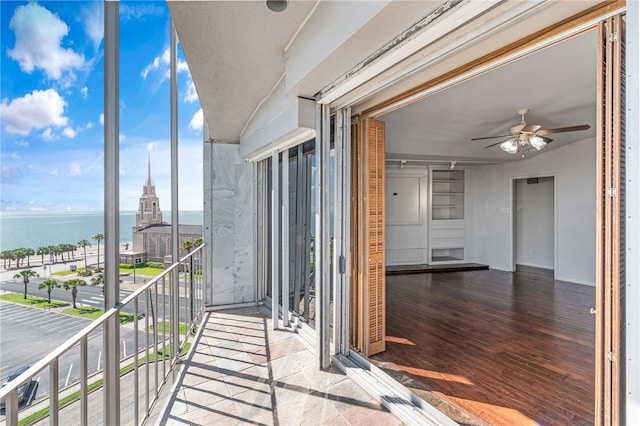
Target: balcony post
(275, 239)
(322, 237)
(207, 214)
(111, 414)
(175, 243)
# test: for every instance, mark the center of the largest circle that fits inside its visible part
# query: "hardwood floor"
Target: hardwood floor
(510, 349)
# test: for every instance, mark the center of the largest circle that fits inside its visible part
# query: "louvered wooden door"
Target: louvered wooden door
(367, 236)
(610, 286)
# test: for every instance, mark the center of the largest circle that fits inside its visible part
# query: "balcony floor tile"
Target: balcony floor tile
(242, 372)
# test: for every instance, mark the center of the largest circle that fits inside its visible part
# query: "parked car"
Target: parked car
(24, 392)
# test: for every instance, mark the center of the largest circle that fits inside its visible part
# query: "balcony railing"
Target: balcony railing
(157, 321)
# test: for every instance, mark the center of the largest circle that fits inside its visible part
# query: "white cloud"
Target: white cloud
(196, 121)
(190, 93)
(38, 37)
(101, 119)
(89, 125)
(122, 137)
(47, 135)
(136, 12)
(75, 170)
(69, 132)
(93, 22)
(161, 63)
(37, 110)
(152, 147)
(84, 92)
(22, 143)
(151, 67)
(15, 156)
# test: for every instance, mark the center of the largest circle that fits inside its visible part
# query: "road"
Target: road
(29, 334)
(92, 296)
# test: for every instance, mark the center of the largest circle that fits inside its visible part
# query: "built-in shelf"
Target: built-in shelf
(447, 216)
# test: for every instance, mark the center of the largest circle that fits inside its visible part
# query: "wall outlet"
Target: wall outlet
(532, 252)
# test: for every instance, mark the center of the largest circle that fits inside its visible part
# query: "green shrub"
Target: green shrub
(141, 265)
(126, 266)
(157, 265)
(85, 273)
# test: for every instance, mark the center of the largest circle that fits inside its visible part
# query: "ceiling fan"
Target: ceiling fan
(525, 136)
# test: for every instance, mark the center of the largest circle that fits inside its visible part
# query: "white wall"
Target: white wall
(491, 195)
(534, 223)
(406, 215)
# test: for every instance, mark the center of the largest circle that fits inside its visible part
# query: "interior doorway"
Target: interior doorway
(534, 222)
(436, 132)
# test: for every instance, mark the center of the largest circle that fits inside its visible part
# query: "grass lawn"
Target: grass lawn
(151, 272)
(164, 326)
(94, 313)
(38, 302)
(68, 272)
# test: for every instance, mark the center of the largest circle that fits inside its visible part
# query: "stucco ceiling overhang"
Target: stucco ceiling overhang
(236, 55)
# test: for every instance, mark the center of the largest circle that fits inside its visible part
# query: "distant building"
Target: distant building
(151, 235)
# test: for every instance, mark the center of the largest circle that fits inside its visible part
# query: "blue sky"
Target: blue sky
(52, 103)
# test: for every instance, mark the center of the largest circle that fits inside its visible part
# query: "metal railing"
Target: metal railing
(149, 320)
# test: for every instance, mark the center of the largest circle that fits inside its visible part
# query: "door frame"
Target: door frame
(584, 21)
(512, 218)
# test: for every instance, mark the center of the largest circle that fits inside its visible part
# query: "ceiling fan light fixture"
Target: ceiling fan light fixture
(537, 142)
(509, 146)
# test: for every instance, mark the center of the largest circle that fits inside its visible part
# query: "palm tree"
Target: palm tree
(98, 237)
(188, 245)
(84, 244)
(25, 275)
(97, 280)
(61, 250)
(53, 253)
(73, 284)
(19, 254)
(72, 250)
(41, 251)
(29, 252)
(49, 284)
(7, 255)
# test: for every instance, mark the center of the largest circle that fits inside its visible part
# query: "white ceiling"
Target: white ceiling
(557, 85)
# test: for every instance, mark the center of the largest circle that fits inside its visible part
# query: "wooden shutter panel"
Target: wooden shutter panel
(368, 219)
(610, 289)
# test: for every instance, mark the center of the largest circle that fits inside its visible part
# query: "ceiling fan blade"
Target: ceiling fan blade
(493, 144)
(491, 137)
(530, 128)
(563, 129)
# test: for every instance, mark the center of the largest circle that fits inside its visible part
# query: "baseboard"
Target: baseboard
(536, 265)
(498, 268)
(575, 281)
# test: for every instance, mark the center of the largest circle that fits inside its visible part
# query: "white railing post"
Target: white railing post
(111, 372)
(175, 246)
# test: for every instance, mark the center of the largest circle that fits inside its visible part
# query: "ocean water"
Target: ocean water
(35, 229)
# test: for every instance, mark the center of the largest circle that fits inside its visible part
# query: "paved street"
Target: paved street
(88, 295)
(28, 334)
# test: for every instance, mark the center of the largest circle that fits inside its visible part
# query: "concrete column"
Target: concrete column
(229, 196)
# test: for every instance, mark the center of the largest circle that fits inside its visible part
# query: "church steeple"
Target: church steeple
(149, 170)
(149, 207)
